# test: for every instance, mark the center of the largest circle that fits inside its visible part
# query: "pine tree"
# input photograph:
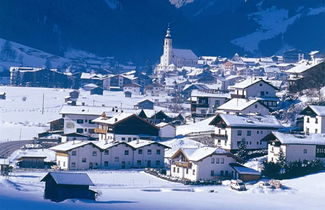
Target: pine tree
(282, 161)
(242, 150)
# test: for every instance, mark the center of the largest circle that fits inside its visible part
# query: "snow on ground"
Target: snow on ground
(21, 116)
(256, 163)
(127, 189)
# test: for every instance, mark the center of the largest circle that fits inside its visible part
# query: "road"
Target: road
(7, 148)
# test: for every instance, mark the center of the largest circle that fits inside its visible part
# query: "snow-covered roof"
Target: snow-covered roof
(69, 145)
(243, 169)
(238, 104)
(197, 154)
(162, 124)
(319, 110)
(184, 53)
(86, 110)
(312, 139)
(86, 75)
(202, 126)
(248, 82)
(142, 143)
(265, 121)
(70, 178)
(198, 93)
(302, 66)
(115, 119)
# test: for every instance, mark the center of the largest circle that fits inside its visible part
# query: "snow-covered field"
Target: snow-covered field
(137, 190)
(22, 118)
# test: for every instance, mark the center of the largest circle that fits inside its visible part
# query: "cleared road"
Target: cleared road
(7, 148)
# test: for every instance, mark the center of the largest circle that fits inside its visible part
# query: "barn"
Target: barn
(62, 185)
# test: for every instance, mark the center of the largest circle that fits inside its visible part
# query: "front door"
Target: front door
(149, 163)
(123, 164)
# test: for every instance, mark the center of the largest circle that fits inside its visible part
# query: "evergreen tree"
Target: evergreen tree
(242, 150)
(282, 161)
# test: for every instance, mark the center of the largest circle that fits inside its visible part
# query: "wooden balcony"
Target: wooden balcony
(100, 131)
(183, 164)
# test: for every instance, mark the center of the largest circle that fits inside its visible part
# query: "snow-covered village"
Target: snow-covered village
(187, 129)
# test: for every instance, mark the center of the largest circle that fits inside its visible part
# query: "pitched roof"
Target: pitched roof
(243, 169)
(200, 93)
(265, 121)
(185, 53)
(69, 145)
(197, 154)
(115, 119)
(302, 67)
(238, 104)
(249, 82)
(319, 110)
(86, 110)
(142, 143)
(69, 178)
(311, 139)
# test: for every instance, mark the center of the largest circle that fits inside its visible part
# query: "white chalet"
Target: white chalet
(295, 147)
(166, 130)
(231, 130)
(83, 155)
(206, 163)
(258, 89)
(314, 119)
(79, 119)
(243, 106)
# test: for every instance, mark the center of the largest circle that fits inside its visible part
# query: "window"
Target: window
(134, 138)
(80, 121)
(212, 173)
(106, 152)
(73, 165)
(84, 160)
(174, 169)
(316, 120)
(255, 106)
(217, 160)
(106, 163)
(140, 151)
(63, 163)
(80, 130)
(257, 142)
(239, 132)
(149, 152)
(91, 130)
(316, 130)
(123, 139)
(186, 171)
(258, 132)
(305, 151)
(212, 160)
(221, 173)
(91, 122)
(94, 153)
(307, 120)
(222, 160)
(139, 162)
(262, 93)
(249, 133)
(177, 170)
(158, 152)
(126, 152)
(193, 172)
(129, 139)
(158, 163)
(116, 159)
(267, 93)
(74, 153)
(261, 84)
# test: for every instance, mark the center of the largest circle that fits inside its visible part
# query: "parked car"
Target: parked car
(265, 185)
(237, 185)
(275, 184)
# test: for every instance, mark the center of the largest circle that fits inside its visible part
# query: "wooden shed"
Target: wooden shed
(244, 173)
(62, 185)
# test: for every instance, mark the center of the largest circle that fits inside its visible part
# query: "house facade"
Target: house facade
(233, 130)
(314, 119)
(206, 163)
(295, 147)
(84, 155)
(243, 106)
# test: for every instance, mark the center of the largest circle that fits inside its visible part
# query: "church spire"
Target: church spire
(168, 34)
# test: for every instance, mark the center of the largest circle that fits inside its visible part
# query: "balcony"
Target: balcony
(220, 136)
(237, 96)
(100, 131)
(183, 164)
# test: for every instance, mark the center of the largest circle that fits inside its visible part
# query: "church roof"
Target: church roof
(184, 53)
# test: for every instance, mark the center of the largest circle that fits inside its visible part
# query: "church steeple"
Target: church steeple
(168, 34)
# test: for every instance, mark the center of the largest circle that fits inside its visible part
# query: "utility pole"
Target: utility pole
(43, 105)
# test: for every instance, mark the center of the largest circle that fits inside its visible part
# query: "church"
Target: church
(174, 58)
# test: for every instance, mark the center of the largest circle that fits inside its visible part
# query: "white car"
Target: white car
(237, 185)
